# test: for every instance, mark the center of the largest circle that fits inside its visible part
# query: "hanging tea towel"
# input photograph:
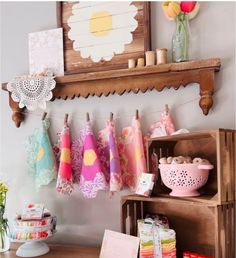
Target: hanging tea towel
(166, 120)
(164, 127)
(64, 180)
(104, 152)
(132, 158)
(40, 156)
(109, 156)
(115, 169)
(77, 154)
(92, 178)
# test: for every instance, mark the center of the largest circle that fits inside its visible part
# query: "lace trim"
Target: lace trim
(89, 189)
(64, 186)
(43, 176)
(32, 91)
(77, 152)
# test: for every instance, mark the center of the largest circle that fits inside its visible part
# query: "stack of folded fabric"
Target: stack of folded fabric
(33, 227)
(156, 239)
(168, 243)
(146, 239)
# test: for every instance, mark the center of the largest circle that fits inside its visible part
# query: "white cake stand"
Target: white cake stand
(35, 247)
(32, 248)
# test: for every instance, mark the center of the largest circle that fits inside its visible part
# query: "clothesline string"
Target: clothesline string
(104, 117)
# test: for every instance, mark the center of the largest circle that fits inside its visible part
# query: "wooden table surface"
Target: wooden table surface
(60, 251)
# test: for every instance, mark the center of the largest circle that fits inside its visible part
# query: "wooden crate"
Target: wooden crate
(207, 229)
(218, 146)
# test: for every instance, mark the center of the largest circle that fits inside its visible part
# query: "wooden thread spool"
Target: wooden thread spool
(150, 58)
(131, 63)
(140, 62)
(161, 56)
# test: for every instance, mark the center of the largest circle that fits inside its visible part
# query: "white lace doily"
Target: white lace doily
(32, 91)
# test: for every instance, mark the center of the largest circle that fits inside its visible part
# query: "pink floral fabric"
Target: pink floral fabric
(92, 178)
(162, 128)
(109, 156)
(132, 157)
(103, 152)
(166, 120)
(77, 153)
(154, 165)
(64, 180)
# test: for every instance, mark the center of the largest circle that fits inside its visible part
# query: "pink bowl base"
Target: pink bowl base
(183, 193)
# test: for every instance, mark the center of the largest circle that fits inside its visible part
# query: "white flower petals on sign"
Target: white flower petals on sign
(101, 29)
(33, 91)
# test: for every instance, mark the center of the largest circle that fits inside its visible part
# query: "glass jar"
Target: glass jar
(180, 40)
(4, 239)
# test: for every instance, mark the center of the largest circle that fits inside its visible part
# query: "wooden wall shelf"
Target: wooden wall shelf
(171, 75)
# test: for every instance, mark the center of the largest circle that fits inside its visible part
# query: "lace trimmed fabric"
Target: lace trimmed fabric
(77, 153)
(108, 153)
(92, 178)
(32, 91)
(132, 157)
(40, 157)
(64, 179)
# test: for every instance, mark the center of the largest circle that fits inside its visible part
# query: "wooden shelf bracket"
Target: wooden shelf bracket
(206, 90)
(135, 80)
(17, 112)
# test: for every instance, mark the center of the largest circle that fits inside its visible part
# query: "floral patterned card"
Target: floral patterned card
(118, 245)
(145, 184)
(32, 211)
(46, 51)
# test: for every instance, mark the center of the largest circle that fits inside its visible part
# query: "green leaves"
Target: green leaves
(3, 221)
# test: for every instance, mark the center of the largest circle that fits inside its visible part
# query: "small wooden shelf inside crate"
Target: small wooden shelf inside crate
(203, 199)
(202, 228)
(218, 146)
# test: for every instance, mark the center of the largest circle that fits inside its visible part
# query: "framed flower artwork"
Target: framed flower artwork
(101, 36)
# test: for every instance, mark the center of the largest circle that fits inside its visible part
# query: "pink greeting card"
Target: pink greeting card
(46, 51)
(118, 245)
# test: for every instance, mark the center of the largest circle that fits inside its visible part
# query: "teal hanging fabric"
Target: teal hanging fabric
(40, 157)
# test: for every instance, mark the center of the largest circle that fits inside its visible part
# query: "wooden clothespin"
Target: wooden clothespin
(111, 117)
(87, 117)
(66, 119)
(166, 109)
(44, 115)
(137, 115)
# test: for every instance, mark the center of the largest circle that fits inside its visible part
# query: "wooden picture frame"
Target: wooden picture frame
(141, 41)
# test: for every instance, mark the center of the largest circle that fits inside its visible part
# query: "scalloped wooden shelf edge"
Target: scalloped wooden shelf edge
(134, 80)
